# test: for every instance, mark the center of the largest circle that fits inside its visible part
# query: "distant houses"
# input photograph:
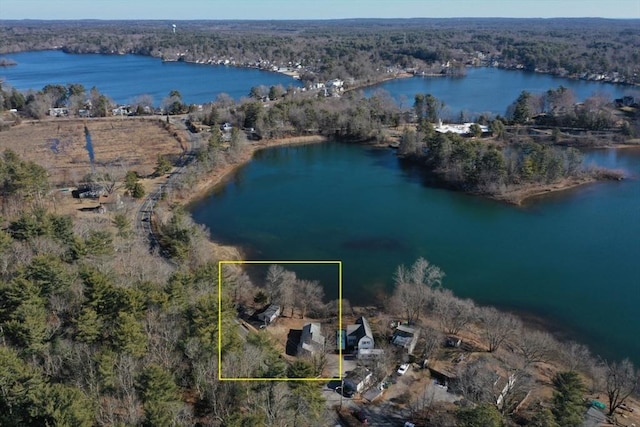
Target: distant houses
(311, 341)
(460, 129)
(59, 112)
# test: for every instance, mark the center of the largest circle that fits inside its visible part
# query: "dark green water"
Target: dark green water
(569, 258)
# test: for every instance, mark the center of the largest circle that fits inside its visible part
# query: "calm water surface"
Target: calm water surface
(491, 90)
(123, 77)
(569, 257)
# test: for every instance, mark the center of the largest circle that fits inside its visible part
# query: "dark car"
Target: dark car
(361, 416)
(346, 392)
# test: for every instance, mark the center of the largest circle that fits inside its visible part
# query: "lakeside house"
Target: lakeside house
(460, 129)
(270, 314)
(359, 335)
(88, 191)
(311, 341)
(406, 337)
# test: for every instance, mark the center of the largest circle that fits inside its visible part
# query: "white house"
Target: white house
(359, 336)
(460, 129)
(358, 379)
(336, 83)
(270, 314)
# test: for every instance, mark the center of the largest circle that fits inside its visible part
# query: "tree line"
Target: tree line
(507, 345)
(95, 329)
(361, 49)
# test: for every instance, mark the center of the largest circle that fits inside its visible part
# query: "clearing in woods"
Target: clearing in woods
(119, 144)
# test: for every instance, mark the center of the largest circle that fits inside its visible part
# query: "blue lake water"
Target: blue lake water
(491, 90)
(123, 77)
(570, 258)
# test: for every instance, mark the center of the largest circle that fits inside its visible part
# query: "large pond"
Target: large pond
(568, 258)
(491, 90)
(123, 77)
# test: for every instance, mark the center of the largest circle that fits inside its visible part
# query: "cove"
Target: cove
(123, 77)
(568, 258)
(490, 90)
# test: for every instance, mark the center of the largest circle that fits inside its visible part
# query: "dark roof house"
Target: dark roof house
(359, 335)
(358, 379)
(406, 337)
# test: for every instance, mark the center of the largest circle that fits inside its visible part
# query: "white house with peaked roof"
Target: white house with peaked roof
(359, 336)
(270, 314)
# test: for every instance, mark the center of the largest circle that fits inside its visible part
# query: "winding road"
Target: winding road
(144, 214)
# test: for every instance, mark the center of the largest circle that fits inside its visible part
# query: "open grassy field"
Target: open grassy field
(119, 144)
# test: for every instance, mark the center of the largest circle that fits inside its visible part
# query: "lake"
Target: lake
(569, 258)
(491, 90)
(123, 77)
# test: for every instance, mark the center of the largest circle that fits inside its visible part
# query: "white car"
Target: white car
(403, 369)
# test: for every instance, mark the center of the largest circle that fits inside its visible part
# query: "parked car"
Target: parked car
(403, 369)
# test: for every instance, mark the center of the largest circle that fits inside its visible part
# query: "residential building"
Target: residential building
(406, 337)
(358, 379)
(311, 341)
(359, 336)
(270, 314)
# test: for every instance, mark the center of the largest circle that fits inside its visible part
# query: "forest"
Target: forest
(96, 329)
(598, 49)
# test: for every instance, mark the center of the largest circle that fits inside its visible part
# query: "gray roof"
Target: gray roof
(403, 335)
(358, 375)
(271, 310)
(360, 329)
(312, 338)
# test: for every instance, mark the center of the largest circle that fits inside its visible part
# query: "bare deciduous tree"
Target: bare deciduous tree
(287, 291)
(275, 274)
(308, 295)
(621, 381)
(414, 287)
(432, 340)
(535, 346)
(497, 327)
(453, 313)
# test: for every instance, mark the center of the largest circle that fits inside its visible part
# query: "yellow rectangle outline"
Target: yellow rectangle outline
(221, 263)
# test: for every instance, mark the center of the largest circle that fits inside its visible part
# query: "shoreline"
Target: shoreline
(530, 320)
(519, 196)
(218, 176)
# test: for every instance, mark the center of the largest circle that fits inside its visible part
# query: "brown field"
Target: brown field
(119, 144)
